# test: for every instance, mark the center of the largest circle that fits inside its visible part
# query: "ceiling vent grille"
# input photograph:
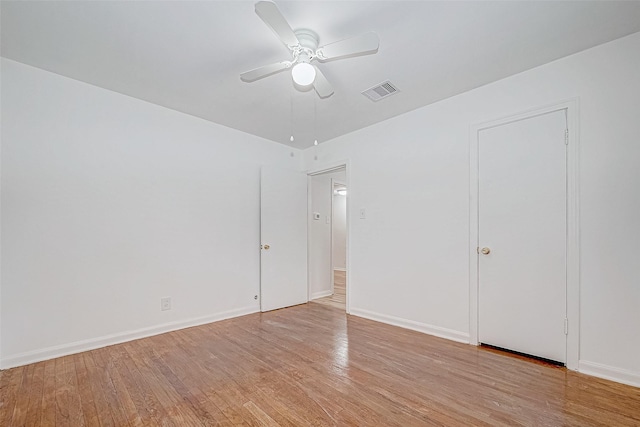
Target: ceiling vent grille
(380, 91)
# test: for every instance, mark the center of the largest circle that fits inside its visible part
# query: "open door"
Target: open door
(283, 233)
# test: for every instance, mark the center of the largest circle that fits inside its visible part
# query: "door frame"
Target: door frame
(571, 107)
(319, 170)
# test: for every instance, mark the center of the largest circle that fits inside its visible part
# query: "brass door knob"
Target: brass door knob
(485, 251)
(266, 247)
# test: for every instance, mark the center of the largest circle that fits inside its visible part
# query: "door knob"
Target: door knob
(485, 251)
(266, 247)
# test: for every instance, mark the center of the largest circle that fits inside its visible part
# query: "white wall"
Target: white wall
(339, 231)
(416, 237)
(110, 203)
(320, 234)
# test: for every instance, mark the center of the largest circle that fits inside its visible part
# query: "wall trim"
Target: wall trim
(339, 269)
(609, 373)
(571, 106)
(321, 294)
(90, 344)
(425, 328)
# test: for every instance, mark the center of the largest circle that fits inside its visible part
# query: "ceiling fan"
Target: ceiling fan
(303, 44)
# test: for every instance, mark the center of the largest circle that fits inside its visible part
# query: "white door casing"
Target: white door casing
(571, 236)
(283, 232)
(325, 168)
(522, 226)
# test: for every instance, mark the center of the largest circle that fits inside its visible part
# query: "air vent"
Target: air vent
(380, 91)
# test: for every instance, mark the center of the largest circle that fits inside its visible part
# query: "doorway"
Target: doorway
(523, 234)
(328, 238)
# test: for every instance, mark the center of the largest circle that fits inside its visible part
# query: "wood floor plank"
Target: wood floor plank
(34, 410)
(189, 363)
(87, 400)
(281, 415)
(49, 407)
(115, 392)
(261, 417)
(4, 393)
(145, 388)
(228, 397)
(22, 396)
(97, 379)
(169, 389)
(309, 365)
(63, 404)
(76, 415)
(125, 381)
(10, 388)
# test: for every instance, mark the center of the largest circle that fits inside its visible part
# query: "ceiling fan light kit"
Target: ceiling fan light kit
(303, 45)
(303, 74)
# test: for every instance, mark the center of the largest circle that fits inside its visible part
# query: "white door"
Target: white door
(283, 230)
(522, 223)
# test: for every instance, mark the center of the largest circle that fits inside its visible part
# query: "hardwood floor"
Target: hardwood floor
(306, 365)
(339, 297)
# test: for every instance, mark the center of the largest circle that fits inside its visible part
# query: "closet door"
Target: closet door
(522, 236)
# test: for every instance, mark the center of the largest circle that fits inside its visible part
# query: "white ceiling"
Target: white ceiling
(188, 55)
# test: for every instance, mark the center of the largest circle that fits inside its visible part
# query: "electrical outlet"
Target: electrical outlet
(165, 303)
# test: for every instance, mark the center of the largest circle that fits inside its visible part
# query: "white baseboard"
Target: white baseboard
(437, 331)
(339, 269)
(609, 373)
(93, 343)
(321, 294)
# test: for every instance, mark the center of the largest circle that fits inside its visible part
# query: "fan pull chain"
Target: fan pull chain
(291, 139)
(315, 122)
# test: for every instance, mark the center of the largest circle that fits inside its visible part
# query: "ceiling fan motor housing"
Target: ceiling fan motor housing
(307, 38)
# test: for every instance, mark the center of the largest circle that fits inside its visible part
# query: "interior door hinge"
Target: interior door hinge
(566, 137)
(566, 326)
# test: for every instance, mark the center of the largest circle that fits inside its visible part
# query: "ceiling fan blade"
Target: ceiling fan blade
(269, 13)
(267, 70)
(322, 85)
(360, 45)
